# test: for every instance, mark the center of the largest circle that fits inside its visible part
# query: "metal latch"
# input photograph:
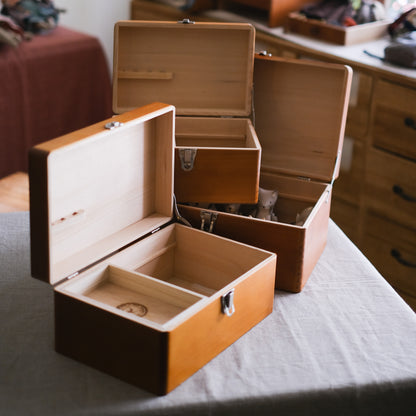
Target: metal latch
(186, 21)
(208, 220)
(112, 125)
(227, 303)
(187, 158)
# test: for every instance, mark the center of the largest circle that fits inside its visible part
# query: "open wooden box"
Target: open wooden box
(137, 295)
(206, 71)
(301, 109)
(341, 35)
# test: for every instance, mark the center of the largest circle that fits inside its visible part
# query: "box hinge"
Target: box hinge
(178, 215)
(304, 178)
(186, 21)
(208, 220)
(113, 125)
(227, 303)
(187, 158)
(337, 162)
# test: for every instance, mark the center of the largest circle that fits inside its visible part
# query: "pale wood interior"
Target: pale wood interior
(300, 115)
(108, 190)
(167, 272)
(215, 133)
(191, 259)
(184, 65)
(294, 196)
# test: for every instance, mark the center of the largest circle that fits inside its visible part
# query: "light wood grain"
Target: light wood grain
(96, 190)
(207, 80)
(14, 192)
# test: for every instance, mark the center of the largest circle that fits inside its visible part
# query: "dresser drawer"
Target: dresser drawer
(391, 187)
(359, 105)
(351, 173)
(346, 216)
(392, 250)
(395, 119)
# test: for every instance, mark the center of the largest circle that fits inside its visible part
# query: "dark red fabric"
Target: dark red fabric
(54, 84)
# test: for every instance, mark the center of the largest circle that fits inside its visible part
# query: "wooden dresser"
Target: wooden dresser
(374, 198)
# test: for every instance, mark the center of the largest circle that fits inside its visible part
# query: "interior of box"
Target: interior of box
(119, 189)
(215, 132)
(199, 68)
(158, 279)
(294, 196)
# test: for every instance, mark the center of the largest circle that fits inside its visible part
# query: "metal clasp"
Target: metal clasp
(112, 125)
(187, 158)
(208, 220)
(186, 21)
(227, 303)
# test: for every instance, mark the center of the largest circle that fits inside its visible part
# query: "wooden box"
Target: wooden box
(301, 109)
(137, 295)
(298, 23)
(206, 71)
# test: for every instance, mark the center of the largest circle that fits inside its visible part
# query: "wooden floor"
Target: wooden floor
(14, 193)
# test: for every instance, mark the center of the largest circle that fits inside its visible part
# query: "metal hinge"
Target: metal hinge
(187, 158)
(186, 21)
(208, 220)
(304, 178)
(264, 53)
(227, 303)
(112, 125)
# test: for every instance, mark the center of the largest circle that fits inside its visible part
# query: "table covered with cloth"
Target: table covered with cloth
(55, 83)
(345, 345)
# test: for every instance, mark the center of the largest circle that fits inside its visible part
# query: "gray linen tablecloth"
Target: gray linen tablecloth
(345, 345)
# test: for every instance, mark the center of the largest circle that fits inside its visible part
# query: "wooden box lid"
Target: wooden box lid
(300, 114)
(98, 189)
(203, 69)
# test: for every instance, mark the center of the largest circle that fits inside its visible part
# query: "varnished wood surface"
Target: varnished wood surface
(14, 192)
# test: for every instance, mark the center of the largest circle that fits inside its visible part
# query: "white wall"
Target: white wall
(95, 17)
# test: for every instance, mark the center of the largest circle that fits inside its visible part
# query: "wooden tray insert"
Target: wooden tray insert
(191, 259)
(203, 132)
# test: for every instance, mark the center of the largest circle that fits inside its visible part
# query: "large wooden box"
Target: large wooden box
(301, 109)
(137, 295)
(206, 71)
(298, 23)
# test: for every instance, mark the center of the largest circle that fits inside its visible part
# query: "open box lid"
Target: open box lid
(100, 188)
(203, 69)
(300, 114)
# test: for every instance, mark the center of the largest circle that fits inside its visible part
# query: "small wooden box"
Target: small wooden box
(298, 23)
(301, 109)
(137, 295)
(206, 71)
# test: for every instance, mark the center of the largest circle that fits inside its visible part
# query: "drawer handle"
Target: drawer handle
(396, 255)
(409, 122)
(398, 190)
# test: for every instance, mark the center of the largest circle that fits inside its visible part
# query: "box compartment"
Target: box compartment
(301, 109)
(206, 71)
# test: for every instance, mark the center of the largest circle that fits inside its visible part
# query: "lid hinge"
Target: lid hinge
(187, 158)
(304, 178)
(208, 220)
(186, 21)
(337, 161)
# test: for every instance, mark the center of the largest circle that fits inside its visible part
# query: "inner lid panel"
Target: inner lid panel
(202, 69)
(300, 110)
(108, 190)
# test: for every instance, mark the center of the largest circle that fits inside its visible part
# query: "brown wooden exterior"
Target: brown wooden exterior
(177, 277)
(300, 111)
(352, 35)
